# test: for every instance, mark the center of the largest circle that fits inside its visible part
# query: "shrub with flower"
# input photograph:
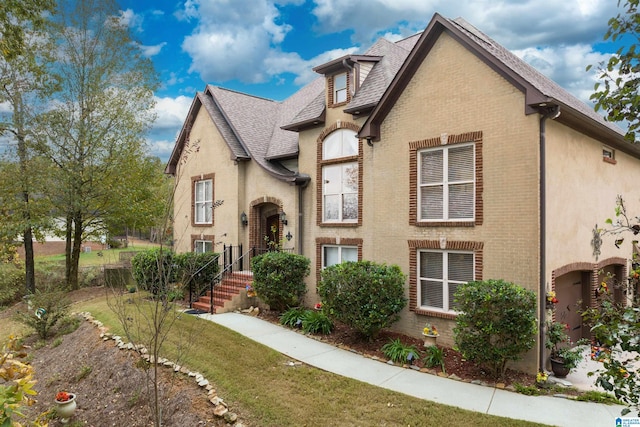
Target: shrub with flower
(63, 396)
(551, 299)
(430, 330)
(542, 377)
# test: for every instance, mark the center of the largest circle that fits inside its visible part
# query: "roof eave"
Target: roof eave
(306, 124)
(172, 163)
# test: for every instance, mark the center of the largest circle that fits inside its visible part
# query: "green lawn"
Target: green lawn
(107, 256)
(258, 382)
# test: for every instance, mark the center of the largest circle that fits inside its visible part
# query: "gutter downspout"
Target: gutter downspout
(301, 182)
(551, 113)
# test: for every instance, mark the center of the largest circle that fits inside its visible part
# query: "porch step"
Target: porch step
(231, 288)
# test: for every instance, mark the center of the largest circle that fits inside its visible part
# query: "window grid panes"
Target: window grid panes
(203, 202)
(439, 275)
(340, 192)
(339, 88)
(446, 183)
(202, 246)
(332, 255)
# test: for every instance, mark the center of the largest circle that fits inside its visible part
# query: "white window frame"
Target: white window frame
(341, 194)
(340, 249)
(200, 246)
(446, 184)
(340, 92)
(446, 304)
(203, 209)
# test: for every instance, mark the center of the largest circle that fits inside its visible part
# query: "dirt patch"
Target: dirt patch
(110, 384)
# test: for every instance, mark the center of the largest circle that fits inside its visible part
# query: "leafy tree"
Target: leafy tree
(619, 94)
(496, 323)
(365, 295)
(95, 129)
(24, 85)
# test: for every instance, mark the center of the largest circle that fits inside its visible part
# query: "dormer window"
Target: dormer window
(340, 88)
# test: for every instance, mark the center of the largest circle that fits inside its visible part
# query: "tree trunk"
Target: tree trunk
(75, 251)
(67, 247)
(30, 276)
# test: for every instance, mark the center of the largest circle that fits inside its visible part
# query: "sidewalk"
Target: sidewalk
(542, 409)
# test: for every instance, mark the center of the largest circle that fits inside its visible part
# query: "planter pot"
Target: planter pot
(559, 369)
(66, 409)
(429, 340)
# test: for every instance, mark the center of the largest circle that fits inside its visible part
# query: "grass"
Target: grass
(259, 383)
(107, 256)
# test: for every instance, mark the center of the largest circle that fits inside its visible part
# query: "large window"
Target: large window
(340, 177)
(439, 274)
(446, 183)
(339, 88)
(334, 254)
(203, 202)
(202, 246)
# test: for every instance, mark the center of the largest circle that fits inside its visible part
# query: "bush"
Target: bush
(364, 295)
(12, 284)
(47, 308)
(154, 270)
(196, 268)
(434, 356)
(278, 278)
(496, 323)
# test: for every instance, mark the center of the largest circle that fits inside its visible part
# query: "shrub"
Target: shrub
(316, 322)
(364, 295)
(293, 317)
(196, 268)
(48, 307)
(153, 270)
(16, 389)
(399, 352)
(12, 284)
(496, 323)
(278, 278)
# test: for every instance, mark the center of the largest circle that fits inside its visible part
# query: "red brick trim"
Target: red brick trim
(320, 163)
(194, 180)
(414, 147)
(321, 241)
(255, 220)
(330, 87)
(453, 245)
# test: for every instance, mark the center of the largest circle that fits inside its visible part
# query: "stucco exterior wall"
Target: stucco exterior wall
(581, 193)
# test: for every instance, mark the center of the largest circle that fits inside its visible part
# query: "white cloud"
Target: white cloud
(5, 107)
(171, 112)
(131, 19)
(150, 51)
(161, 148)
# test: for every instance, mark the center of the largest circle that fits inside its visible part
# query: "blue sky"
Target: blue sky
(267, 48)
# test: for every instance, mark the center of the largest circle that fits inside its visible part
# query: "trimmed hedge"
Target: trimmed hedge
(364, 295)
(278, 278)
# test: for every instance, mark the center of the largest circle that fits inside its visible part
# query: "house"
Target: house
(442, 153)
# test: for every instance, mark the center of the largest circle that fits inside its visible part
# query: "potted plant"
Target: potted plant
(65, 405)
(563, 356)
(430, 333)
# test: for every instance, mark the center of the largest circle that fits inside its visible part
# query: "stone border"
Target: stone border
(221, 409)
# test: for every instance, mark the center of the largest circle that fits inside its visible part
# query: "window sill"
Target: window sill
(444, 223)
(609, 160)
(433, 313)
(339, 224)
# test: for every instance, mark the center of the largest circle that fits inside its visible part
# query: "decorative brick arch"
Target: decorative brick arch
(255, 220)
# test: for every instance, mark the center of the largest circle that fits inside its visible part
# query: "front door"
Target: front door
(272, 232)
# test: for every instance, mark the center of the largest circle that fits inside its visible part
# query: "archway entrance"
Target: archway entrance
(267, 231)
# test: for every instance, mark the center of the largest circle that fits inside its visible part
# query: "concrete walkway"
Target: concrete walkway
(542, 409)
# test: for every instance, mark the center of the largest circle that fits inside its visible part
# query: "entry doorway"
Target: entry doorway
(574, 296)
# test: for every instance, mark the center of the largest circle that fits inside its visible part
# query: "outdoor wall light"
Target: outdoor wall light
(283, 218)
(244, 219)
